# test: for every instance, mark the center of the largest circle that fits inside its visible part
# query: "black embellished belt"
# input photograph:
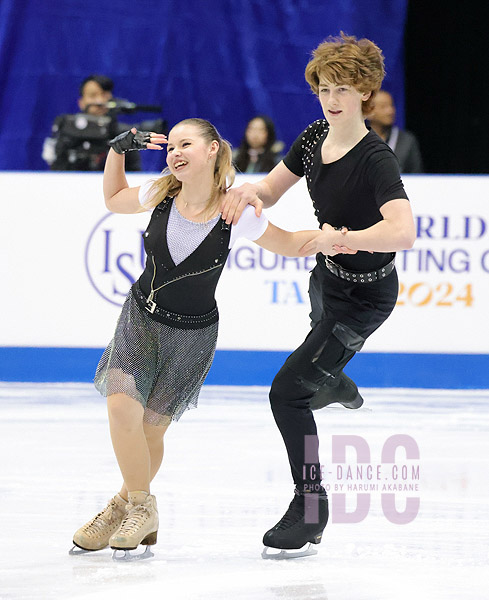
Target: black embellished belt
(355, 277)
(173, 319)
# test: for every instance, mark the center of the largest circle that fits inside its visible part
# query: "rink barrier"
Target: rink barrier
(83, 260)
(242, 367)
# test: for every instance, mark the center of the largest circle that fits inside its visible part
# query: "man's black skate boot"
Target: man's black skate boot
(295, 528)
(345, 393)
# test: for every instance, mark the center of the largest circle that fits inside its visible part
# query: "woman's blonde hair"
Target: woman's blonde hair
(346, 60)
(224, 172)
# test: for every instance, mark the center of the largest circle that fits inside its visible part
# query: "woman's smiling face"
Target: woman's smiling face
(188, 153)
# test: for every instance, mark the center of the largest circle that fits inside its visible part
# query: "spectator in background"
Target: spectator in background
(79, 142)
(259, 150)
(403, 143)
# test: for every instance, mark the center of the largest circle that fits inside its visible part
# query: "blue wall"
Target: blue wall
(224, 60)
(435, 371)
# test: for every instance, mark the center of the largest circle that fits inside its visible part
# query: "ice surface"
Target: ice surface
(224, 482)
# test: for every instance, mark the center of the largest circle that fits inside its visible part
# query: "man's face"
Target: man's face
(92, 95)
(383, 112)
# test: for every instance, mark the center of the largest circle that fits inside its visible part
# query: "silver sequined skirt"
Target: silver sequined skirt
(161, 367)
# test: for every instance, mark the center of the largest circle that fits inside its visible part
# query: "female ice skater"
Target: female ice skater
(163, 346)
(365, 216)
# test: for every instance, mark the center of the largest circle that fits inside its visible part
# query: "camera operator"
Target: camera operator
(79, 142)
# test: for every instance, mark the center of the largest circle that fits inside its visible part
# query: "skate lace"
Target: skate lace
(103, 518)
(294, 513)
(134, 519)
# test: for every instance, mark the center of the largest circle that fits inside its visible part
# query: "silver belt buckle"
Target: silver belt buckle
(331, 266)
(150, 306)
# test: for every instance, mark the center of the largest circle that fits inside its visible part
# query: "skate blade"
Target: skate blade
(128, 557)
(278, 554)
(77, 551)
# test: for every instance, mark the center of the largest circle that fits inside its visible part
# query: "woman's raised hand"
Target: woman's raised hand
(137, 140)
(155, 141)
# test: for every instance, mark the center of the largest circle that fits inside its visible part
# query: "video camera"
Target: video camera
(117, 106)
(81, 139)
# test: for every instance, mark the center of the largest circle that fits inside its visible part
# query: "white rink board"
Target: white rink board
(66, 265)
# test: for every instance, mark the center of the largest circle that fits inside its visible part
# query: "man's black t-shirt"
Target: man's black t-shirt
(350, 191)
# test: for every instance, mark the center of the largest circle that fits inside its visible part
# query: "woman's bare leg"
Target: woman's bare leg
(154, 438)
(129, 442)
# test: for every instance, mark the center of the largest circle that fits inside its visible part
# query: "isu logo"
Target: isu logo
(114, 255)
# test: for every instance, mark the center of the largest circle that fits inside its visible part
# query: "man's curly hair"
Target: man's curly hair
(346, 60)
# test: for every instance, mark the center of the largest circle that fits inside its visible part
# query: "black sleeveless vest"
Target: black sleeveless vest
(187, 289)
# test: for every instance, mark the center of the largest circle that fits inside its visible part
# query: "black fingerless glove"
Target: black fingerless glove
(127, 141)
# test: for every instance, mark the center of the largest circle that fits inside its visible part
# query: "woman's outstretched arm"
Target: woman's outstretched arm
(286, 243)
(395, 232)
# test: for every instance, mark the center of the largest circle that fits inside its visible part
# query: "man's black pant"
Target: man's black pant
(343, 315)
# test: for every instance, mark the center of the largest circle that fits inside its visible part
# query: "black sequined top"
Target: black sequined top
(350, 191)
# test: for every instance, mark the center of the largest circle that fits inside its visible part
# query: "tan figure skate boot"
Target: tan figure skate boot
(95, 534)
(140, 525)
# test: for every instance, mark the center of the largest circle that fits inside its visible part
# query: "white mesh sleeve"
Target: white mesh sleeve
(249, 226)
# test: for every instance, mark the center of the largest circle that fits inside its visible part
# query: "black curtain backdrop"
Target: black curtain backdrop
(447, 84)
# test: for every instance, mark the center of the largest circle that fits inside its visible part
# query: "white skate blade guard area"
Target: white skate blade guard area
(276, 554)
(418, 519)
(132, 555)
